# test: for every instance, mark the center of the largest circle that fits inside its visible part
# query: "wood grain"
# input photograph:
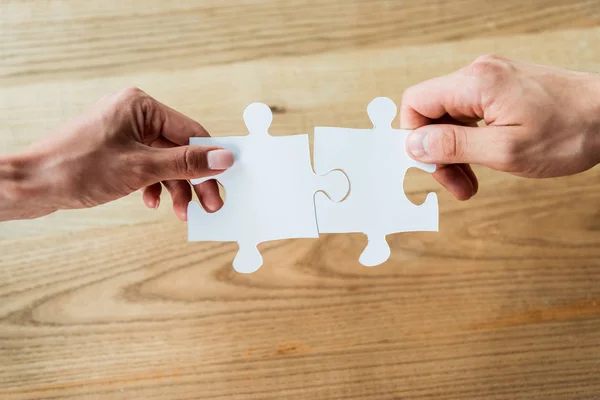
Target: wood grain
(97, 42)
(113, 303)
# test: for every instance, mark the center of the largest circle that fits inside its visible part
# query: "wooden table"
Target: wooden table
(113, 303)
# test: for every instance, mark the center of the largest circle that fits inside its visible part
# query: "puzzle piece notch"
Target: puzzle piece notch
(376, 204)
(333, 184)
(270, 190)
(377, 251)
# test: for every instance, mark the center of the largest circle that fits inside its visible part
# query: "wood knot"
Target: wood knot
(291, 348)
(275, 109)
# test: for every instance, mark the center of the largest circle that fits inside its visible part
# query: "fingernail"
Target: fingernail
(211, 205)
(219, 159)
(156, 203)
(418, 144)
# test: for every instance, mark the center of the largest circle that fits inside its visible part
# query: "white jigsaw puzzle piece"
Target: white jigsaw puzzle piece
(375, 162)
(270, 191)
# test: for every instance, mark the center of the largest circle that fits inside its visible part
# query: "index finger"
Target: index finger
(178, 128)
(456, 95)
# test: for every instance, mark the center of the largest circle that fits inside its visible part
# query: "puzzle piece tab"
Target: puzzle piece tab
(270, 190)
(375, 162)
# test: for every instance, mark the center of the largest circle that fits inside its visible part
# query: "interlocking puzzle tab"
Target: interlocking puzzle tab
(270, 190)
(375, 162)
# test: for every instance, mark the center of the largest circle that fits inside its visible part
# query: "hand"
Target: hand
(125, 142)
(541, 122)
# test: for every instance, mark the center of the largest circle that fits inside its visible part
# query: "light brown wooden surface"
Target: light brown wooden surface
(113, 303)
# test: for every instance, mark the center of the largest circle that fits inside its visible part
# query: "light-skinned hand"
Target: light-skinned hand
(539, 122)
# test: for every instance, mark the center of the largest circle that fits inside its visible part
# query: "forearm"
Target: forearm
(21, 195)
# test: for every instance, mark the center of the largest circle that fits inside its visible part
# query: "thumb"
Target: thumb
(188, 162)
(457, 144)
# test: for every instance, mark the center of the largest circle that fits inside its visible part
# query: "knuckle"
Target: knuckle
(149, 116)
(175, 187)
(452, 142)
(130, 93)
(136, 99)
(147, 119)
(490, 68)
(133, 99)
(490, 57)
(192, 162)
(125, 99)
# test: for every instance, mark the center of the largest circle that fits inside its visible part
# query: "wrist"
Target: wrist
(12, 177)
(20, 189)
